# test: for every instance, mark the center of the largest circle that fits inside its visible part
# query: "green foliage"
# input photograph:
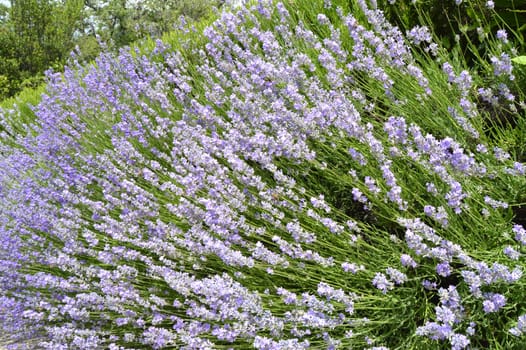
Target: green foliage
(469, 23)
(25, 98)
(29, 90)
(34, 36)
(511, 14)
(43, 31)
(87, 48)
(18, 110)
(119, 23)
(519, 60)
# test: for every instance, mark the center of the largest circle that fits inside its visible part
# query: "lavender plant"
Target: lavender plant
(299, 177)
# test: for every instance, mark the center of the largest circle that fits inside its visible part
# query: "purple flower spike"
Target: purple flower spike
(520, 234)
(520, 329)
(459, 341)
(381, 282)
(407, 261)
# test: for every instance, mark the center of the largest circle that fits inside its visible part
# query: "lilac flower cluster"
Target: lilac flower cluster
(448, 314)
(419, 35)
(502, 66)
(520, 328)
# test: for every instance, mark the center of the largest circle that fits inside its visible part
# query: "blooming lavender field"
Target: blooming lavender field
(298, 175)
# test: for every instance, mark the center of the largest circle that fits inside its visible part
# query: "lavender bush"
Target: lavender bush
(300, 175)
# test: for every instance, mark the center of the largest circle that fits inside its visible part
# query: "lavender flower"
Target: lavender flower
(431, 188)
(352, 267)
(520, 328)
(511, 253)
(435, 331)
(443, 269)
(445, 315)
(439, 214)
(502, 36)
(459, 341)
(520, 234)
(455, 197)
(429, 285)
(381, 282)
(396, 276)
(502, 66)
(471, 329)
(407, 261)
(493, 303)
(419, 34)
(495, 203)
(474, 282)
(396, 130)
(157, 192)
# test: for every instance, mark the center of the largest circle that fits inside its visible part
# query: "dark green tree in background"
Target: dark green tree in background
(36, 35)
(123, 22)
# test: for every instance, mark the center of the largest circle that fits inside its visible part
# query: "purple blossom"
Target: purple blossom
(455, 196)
(482, 149)
(419, 34)
(396, 276)
(464, 82)
(505, 92)
(439, 214)
(493, 303)
(322, 19)
(473, 281)
(371, 185)
(357, 156)
(518, 169)
(190, 190)
(407, 261)
(520, 328)
(459, 341)
(288, 297)
(395, 127)
(443, 269)
(320, 203)
(359, 196)
(511, 253)
(502, 66)
(520, 234)
(431, 188)
(429, 285)
(471, 329)
(435, 331)
(445, 315)
(450, 297)
(352, 267)
(299, 234)
(502, 35)
(381, 282)
(448, 69)
(495, 203)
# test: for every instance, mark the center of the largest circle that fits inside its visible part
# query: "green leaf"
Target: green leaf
(519, 59)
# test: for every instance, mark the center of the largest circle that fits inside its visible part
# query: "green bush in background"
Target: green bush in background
(36, 35)
(447, 19)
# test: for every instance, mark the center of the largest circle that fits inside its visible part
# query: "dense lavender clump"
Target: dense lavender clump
(267, 189)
